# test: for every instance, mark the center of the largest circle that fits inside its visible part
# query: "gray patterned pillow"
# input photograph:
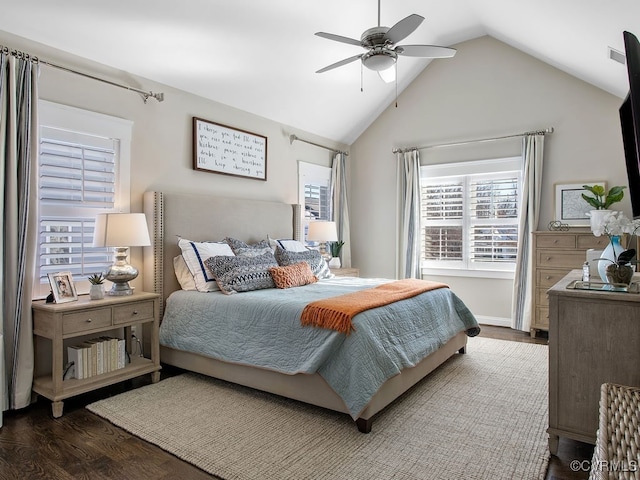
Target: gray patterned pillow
(242, 274)
(318, 265)
(242, 249)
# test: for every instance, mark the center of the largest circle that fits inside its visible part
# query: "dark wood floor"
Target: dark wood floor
(81, 445)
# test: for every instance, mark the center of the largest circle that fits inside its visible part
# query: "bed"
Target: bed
(331, 378)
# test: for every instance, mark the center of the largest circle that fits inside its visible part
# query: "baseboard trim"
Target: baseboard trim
(496, 321)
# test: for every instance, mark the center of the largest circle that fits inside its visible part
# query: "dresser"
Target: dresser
(556, 254)
(594, 338)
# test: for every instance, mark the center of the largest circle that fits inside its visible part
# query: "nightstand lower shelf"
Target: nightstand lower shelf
(138, 366)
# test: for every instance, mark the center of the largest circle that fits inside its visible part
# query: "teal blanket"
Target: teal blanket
(262, 328)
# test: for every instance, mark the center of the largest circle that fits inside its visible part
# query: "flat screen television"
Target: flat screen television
(630, 121)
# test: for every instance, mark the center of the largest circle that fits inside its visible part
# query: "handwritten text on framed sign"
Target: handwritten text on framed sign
(222, 149)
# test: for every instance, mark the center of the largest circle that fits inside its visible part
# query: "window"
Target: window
(314, 192)
(83, 170)
(470, 215)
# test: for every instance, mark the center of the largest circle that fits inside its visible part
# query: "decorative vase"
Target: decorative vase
(609, 256)
(335, 262)
(96, 292)
(619, 273)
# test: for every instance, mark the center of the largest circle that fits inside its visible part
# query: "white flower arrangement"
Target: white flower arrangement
(615, 224)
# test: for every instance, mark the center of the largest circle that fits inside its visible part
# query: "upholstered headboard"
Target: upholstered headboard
(206, 217)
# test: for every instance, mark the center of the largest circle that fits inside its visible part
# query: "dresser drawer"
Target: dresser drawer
(542, 300)
(542, 317)
(556, 241)
(132, 312)
(546, 278)
(86, 320)
(586, 242)
(560, 259)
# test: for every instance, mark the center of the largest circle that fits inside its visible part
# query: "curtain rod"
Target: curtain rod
(293, 138)
(17, 53)
(467, 142)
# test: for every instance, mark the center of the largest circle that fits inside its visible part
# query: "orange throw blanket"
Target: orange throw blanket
(336, 313)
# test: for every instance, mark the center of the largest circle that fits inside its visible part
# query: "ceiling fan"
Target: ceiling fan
(382, 46)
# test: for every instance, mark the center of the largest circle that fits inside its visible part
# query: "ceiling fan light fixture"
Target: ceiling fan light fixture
(388, 75)
(379, 60)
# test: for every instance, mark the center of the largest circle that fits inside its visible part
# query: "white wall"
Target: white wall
(161, 157)
(488, 89)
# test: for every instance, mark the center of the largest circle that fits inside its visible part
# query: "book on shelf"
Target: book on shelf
(74, 354)
(96, 356)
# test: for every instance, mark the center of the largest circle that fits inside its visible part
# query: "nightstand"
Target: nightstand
(87, 318)
(346, 272)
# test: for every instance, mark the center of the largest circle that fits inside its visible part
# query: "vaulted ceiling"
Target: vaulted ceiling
(261, 56)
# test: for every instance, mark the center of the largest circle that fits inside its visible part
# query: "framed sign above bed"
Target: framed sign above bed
(222, 149)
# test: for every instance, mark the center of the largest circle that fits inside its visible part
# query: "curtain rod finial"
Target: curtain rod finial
(292, 138)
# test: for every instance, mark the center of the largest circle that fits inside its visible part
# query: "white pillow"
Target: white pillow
(195, 253)
(291, 245)
(185, 279)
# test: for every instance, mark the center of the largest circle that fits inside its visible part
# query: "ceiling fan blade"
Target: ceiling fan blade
(339, 38)
(403, 28)
(340, 63)
(425, 51)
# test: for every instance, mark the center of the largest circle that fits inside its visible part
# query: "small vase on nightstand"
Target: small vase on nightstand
(96, 292)
(335, 262)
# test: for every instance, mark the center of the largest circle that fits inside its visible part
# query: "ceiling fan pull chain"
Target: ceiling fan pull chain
(361, 77)
(396, 67)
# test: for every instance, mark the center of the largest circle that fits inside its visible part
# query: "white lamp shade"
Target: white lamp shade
(320, 231)
(121, 230)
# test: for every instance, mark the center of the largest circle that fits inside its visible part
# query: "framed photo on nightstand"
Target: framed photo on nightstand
(62, 287)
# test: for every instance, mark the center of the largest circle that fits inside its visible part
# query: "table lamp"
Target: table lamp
(116, 230)
(323, 232)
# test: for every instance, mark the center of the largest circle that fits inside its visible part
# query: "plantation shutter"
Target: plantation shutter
(316, 201)
(469, 214)
(442, 211)
(77, 181)
(493, 219)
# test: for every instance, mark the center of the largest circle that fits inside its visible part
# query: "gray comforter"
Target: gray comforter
(262, 328)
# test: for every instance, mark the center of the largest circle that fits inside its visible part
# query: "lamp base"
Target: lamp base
(120, 289)
(120, 273)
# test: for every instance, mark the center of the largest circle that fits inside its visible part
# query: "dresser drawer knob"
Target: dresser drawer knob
(135, 312)
(548, 259)
(89, 320)
(548, 277)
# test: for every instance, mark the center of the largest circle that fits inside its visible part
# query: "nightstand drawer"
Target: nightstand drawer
(346, 272)
(86, 320)
(132, 312)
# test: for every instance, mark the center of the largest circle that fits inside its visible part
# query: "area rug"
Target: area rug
(481, 415)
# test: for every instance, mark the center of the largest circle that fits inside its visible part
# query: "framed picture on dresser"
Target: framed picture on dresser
(571, 208)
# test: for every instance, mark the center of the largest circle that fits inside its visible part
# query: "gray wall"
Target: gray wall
(161, 156)
(488, 89)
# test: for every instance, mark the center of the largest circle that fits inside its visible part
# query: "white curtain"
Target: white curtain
(532, 153)
(340, 206)
(408, 250)
(19, 160)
